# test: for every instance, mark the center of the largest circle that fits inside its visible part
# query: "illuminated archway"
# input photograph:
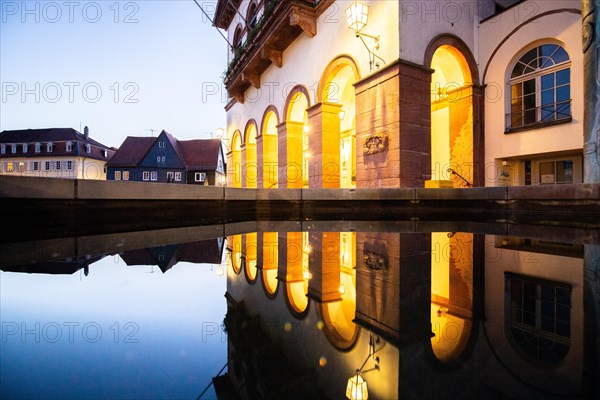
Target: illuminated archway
(250, 167)
(250, 252)
(270, 258)
(338, 102)
(298, 275)
(234, 167)
(338, 316)
(270, 148)
(451, 117)
(297, 131)
(451, 293)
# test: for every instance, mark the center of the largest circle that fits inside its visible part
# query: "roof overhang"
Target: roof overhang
(226, 10)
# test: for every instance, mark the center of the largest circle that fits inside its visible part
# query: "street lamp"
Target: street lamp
(357, 16)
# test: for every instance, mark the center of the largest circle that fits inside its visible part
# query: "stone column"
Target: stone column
(378, 129)
(591, 83)
(259, 160)
(243, 172)
(415, 124)
(324, 145)
(282, 155)
(591, 293)
(230, 168)
(324, 286)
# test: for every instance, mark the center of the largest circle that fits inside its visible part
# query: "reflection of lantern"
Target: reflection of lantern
(357, 388)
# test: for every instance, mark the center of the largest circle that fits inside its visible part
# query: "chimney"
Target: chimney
(86, 133)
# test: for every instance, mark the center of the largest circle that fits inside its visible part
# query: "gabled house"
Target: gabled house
(167, 160)
(53, 153)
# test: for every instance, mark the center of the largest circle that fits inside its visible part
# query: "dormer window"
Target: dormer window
(88, 148)
(14, 148)
(38, 147)
(104, 153)
(2, 149)
(50, 147)
(25, 148)
(69, 147)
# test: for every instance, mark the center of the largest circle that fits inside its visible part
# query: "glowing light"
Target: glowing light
(342, 289)
(322, 361)
(357, 388)
(357, 15)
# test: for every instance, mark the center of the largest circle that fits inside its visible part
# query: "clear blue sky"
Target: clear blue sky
(119, 67)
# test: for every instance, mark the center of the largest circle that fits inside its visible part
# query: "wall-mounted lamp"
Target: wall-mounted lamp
(305, 128)
(342, 115)
(357, 16)
(357, 386)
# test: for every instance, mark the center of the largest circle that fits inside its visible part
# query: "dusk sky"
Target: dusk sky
(120, 67)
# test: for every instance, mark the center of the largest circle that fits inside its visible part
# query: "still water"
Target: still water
(316, 309)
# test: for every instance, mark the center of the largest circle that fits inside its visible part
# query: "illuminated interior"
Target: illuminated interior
(270, 262)
(250, 166)
(234, 168)
(298, 155)
(270, 149)
(251, 252)
(298, 275)
(338, 89)
(338, 315)
(451, 293)
(451, 116)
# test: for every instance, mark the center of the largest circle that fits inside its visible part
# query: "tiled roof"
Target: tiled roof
(46, 135)
(200, 153)
(131, 152)
(57, 136)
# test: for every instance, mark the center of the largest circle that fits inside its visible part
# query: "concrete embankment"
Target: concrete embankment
(43, 207)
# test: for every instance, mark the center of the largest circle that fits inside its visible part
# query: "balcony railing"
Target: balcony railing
(547, 114)
(281, 23)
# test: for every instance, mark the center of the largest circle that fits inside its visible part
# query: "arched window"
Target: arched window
(237, 38)
(251, 17)
(540, 87)
(538, 318)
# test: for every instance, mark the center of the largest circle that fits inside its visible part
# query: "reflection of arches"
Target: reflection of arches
(270, 258)
(236, 253)
(338, 316)
(250, 167)
(250, 253)
(337, 95)
(234, 168)
(297, 131)
(270, 149)
(451, 294)
(456, 137)
(297, 274)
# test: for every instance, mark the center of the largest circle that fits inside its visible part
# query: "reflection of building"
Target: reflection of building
(53, 153)
(426, 310)
(166, 159)
(487, 93)
(55, 267)
(166, 257)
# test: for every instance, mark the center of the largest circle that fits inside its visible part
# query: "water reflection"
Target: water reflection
(443, 313)
(316, 309)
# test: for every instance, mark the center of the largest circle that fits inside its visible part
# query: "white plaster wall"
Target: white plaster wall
(556, 268)
(83, 168)
(564, 27)
(305, 60)
(421, 21)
